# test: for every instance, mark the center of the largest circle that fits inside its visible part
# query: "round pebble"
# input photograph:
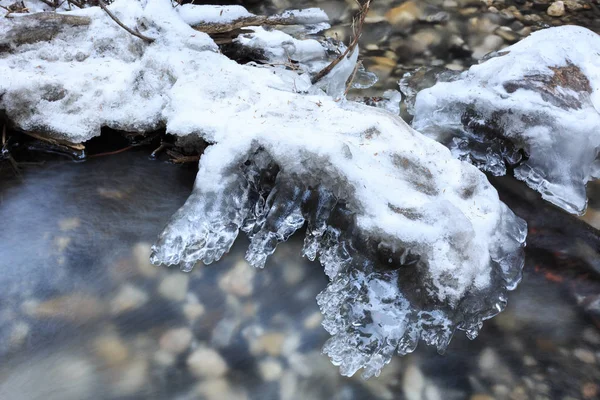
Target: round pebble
(556, 9)
(270, 369)
(206, 363)
(176, 340)
(174, 286)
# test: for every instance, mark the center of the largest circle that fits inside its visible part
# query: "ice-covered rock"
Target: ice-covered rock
(534, 107)
(415, 242)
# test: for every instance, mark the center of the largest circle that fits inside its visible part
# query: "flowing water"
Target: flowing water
(83, 315)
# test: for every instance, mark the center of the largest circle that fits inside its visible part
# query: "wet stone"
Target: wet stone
(556, 9)
(193, 311)
(176, 340)
(18, 334)
(413, 383)
(75, 307)
(270, 343)
(270, 369)
(141, 254)
(174, 286)
(206, 363)
(585, 356)
(238, 280)
(131, 378)
(218, 389)
(111, 350)
(128, 298)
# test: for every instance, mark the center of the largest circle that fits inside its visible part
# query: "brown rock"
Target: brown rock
(206, 363)
(556, 9)
(590, 390)
(238, 281)
(77, 307)
(404, 15)
(176, 340)
(141, 254)
(128, 298)
(111, 350)
(270, 343)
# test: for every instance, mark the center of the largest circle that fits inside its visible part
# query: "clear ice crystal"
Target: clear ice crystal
(382, 297)
(533, 107)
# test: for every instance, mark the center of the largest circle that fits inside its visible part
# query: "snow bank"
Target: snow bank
(534, 106)
(415, 242)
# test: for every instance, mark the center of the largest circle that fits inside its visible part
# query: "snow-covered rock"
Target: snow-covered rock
(415, 242)
(534, 107)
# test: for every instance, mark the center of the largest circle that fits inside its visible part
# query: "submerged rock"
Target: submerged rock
(534, 107)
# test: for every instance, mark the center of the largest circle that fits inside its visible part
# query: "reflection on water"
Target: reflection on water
(83, 315)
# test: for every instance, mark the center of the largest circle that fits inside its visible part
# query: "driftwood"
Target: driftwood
(38, 27)
(259, 20)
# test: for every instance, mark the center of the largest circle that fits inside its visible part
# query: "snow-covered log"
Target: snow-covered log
(534, 107)
(416, 243)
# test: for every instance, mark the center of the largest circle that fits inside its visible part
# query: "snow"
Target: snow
(540, 96)
(208, 14)
(306, 16)
(415, 242)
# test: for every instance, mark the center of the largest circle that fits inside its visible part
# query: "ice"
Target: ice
(387, 291)
(281, 48)
(534, 107)
(415, 242)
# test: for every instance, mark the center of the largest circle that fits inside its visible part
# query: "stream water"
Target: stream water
(83, 315)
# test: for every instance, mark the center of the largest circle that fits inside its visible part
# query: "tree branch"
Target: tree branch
(362, 14)
(122, 25)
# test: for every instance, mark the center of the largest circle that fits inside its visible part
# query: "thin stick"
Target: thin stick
(351, 78)
(362, 14)
(111, 153)
(56, 142)
(9, 157)
(122, 25)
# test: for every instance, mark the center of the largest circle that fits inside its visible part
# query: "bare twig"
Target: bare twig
(351, 78)
(110, 153)
(159, 149)
(122, 25)
(178, 158)
(362, 14)
(56, 142)
(18, 7)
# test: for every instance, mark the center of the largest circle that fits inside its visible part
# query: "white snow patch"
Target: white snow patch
(207, 14)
